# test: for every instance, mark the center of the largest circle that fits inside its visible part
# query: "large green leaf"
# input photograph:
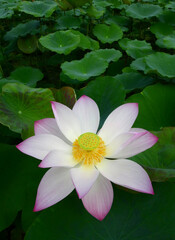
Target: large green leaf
(136, 48)
(159, 160)
(28, 45)
(62, 42)
(27, 75)
(20, 106)
(107, 54)
(16, 173)
(68, 22)
(161, 29)
(79, 3)
(22, 29)
(141, 11)
(107, 92)
(132, 217)
(167, 42)
(38, 8)
(162, 63)
(108, 34)
(156, 107)
(134, 80)
(85, 68)
(85, 41)
(5, 13)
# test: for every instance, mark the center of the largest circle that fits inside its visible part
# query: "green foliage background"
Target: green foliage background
(114, 51)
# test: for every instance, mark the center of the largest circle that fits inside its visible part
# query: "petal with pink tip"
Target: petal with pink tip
(126, 173)
(98, 200)
(40, 145)
(88, 113)
(67, 121)
(141, 142)
(119, 121)
(57, 158)
(48, 126)
(83, 178)
(54, 186)
(120, 142)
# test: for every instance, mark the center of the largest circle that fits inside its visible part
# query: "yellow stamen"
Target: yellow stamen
(89, 149)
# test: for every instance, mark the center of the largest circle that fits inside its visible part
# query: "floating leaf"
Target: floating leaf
(136, 48)
(85, 68)
(167, 42)
(134, 80)
(162, 63)
(156, 107)
(106, 54)
(21, 30)
(28, 45)
(95, 11)
(141, 11)
(38, 8)
(27, 75)
(132, 216)
(159, 160)
(108, 34)
(139, 64)
(85, 42)
(78, 3)
(68, 22)
(161, 29)
(20, 106)
(5, 13)
(167, 17)
(62, 42)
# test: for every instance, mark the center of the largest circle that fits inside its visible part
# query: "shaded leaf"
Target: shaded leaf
(62, 42)
(108, 34)
(156, 107)
(20, 106)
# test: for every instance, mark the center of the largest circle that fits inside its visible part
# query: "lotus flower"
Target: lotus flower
(81, 158)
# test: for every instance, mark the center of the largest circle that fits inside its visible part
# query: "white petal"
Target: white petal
(140, 143)
(83, 178)
(67, 121)
(40, 145)
(119, 143)
(57, 158)
(98, 200)
(54, 186)
(119, 121)
(126, 173)
(49, 126)
(88, 113)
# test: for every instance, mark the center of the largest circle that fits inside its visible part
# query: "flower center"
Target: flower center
(89, 141)
(89, 149)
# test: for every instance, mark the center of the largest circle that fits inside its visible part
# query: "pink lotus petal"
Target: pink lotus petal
(49, 126)
(126, 173)
(119, 121)
(83, 178)
(54, 186)
(58, 158)
(121, 142)
(140, 143)
(98, 200)
(88, 113)
(67, 121)
(40, 145)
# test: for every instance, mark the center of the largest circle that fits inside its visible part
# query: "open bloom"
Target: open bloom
(81, 158)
